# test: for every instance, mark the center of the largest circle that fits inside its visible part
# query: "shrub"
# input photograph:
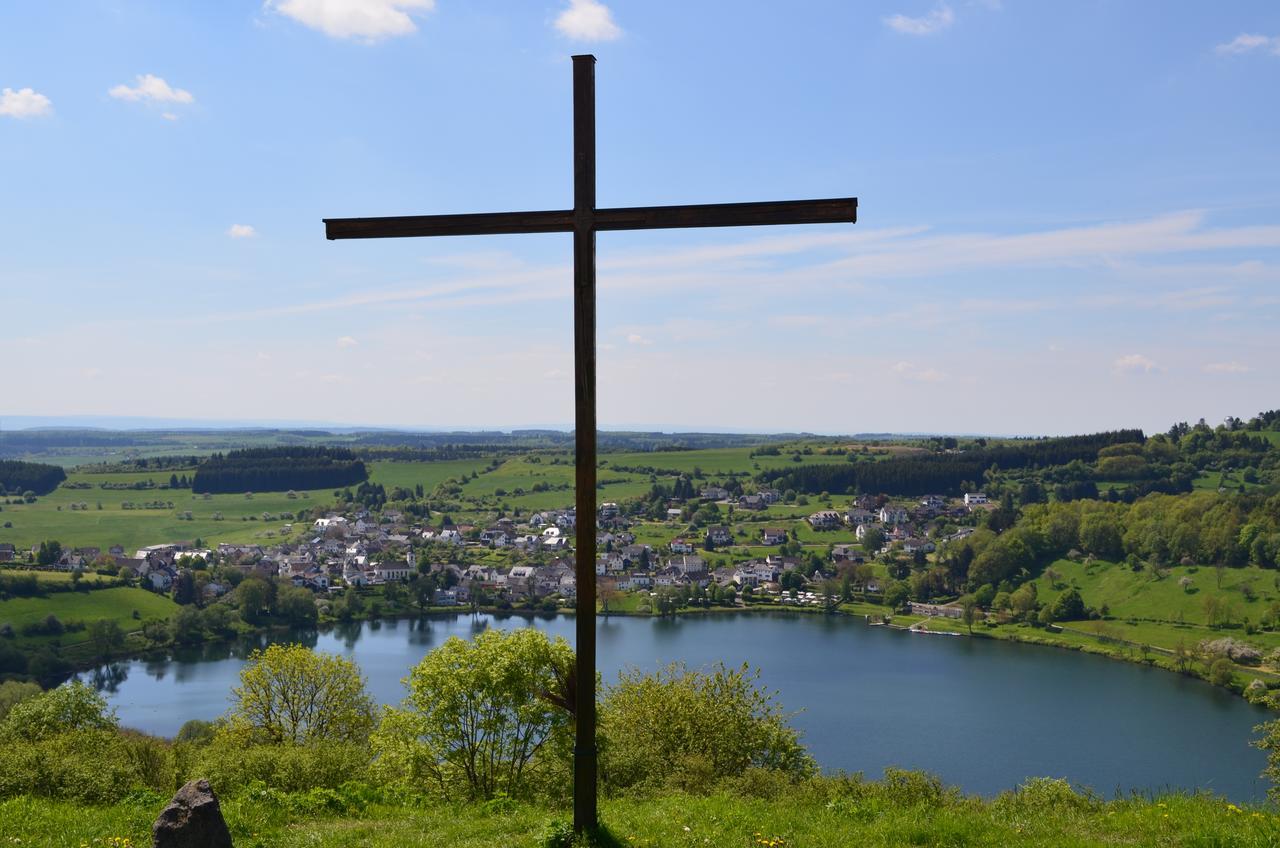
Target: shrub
(1046, 794)
(1221, 673)
(482, 718)
(89, 766)
(691, 729)
(12, 693)
(288, 768)
(72, 707)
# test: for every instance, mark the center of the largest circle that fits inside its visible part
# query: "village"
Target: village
(531, 560)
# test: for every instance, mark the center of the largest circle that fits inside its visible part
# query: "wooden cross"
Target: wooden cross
(584, 220)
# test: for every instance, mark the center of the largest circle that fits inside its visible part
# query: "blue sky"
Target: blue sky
(1069, 212)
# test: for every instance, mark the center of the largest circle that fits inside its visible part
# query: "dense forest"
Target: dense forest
(945, 472)
(17, 478)
(278, 470)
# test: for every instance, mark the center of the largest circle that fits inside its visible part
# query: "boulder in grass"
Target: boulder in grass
(193, 819)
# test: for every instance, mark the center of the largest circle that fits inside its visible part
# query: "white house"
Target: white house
(681, 546)
(893, 515)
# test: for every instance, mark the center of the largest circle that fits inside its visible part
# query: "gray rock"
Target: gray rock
(193, 819)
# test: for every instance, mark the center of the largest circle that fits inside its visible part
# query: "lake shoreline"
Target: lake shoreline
(1096, 649)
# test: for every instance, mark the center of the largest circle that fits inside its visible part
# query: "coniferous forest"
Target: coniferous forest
(944, 473)
(278, 470)
(18, 477)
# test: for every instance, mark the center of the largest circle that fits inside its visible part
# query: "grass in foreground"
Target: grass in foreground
(1044, 816)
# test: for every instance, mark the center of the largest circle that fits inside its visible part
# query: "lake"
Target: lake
(983, 715)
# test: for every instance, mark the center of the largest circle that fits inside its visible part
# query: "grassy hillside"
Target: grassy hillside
(118, 604)
(1046, 815)
(1250, 590)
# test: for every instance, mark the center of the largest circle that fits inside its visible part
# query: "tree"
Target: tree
(187, 626)
(106, 636)
(70, 707)
(872, 539)
(1069, 606)
(1222, 672)
(298, 606)
(184, 588)
(896, 594)
(1024, 601)
(969, 613)
(487, 715)
(49, 553)
(609, 595)
(289, 694)
(252, 596)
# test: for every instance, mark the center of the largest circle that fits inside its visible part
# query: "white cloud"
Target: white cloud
(1226, 368)
(169, 116)
(347, 341)
(365, 20)
(241, 231)
(588, 20)
(152, 88)
(936, 21)
(24, 103)
(1134, 362)
(1247, 43)
(923, 375)
(637, 339)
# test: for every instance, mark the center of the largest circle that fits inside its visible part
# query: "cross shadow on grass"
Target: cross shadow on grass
(601, 837)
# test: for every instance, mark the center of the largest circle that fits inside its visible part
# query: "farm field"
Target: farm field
(104, 521)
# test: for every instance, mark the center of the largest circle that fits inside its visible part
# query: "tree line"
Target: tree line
(945, 473)
(19, 477)
(278, 469)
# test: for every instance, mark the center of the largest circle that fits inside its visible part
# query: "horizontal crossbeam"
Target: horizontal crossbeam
(843, 210)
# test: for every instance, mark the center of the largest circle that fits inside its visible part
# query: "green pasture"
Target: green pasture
(1142, 595)
(714, 462)
(430, 474)
(118, 604)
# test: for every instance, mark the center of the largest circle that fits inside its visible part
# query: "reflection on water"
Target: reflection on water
(982, 714)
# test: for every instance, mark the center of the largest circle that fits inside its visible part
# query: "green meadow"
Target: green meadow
(118, 604)
(1044, 814)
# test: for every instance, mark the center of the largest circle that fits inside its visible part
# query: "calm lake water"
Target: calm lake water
(983, 715)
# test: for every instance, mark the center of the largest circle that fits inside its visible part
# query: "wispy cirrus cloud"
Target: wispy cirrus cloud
(1249, 42)
(936, 20)
(1232, 367)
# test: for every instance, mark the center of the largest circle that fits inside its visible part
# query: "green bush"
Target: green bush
(12, 693)
(70, 707)
(287, 768)
(483, 718)
(90, 766)
(690, 729)
(1045, 795)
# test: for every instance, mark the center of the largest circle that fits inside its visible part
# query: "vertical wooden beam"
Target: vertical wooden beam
(584, 369)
